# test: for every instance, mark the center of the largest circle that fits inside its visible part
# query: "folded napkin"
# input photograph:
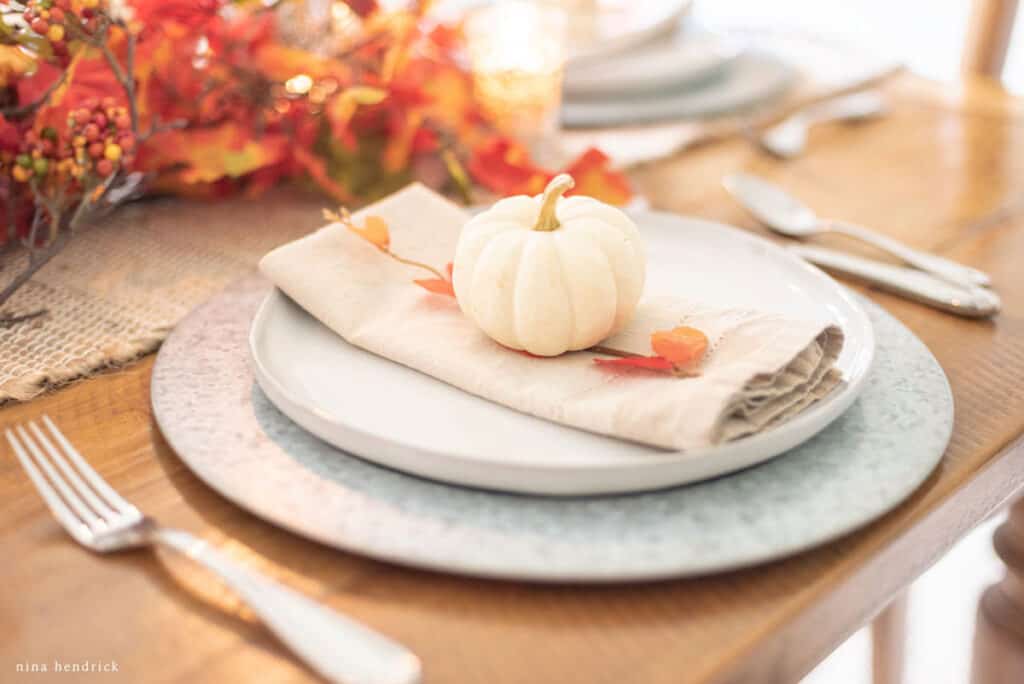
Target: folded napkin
(760, 368)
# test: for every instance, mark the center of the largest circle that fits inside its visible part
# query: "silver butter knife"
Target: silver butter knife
(972, 301)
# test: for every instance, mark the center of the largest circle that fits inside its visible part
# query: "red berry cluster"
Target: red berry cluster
(101, 134)
(52, 19)
(99, 141)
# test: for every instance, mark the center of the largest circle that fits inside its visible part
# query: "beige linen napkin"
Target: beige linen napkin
(760, 368)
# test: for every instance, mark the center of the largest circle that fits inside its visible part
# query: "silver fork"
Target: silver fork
(100, 519)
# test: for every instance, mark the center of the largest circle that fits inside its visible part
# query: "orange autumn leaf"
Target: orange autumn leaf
(374, 230)
(14, 64)
(677, 351)
(211, 154)
(399, 145)
(684, 347)
(439, 286)
(281, 62)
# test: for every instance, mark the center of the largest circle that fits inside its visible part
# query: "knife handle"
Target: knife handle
(972, 302)
(958, 274)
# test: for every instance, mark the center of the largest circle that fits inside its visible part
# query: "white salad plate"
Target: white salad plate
(398, 417)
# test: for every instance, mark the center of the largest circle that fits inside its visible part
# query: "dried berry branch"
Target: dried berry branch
(93, 164)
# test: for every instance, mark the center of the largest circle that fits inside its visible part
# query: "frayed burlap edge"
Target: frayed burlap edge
(113, 356)
(119, 287)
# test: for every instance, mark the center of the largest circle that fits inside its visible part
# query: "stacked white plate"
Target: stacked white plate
(684, 74)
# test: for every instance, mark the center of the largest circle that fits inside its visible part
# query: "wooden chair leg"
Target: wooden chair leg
(888, 642)
(988, 36)
(998, 656)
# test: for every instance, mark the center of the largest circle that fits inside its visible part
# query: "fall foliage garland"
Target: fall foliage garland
(103, 101)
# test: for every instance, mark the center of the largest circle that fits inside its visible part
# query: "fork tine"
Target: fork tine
(94, 502)
(75, 527)
(72, 499)
(100, 485)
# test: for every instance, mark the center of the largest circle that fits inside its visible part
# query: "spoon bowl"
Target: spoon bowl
(777, 209)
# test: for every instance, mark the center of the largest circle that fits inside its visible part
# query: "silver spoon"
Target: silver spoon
(785, 214)
(788, 138)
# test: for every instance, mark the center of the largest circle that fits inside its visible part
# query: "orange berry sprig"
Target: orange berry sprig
(375, 231)
(98, 141)
(101, 135)
(53, 20)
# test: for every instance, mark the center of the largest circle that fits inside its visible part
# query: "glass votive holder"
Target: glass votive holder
(517, 53)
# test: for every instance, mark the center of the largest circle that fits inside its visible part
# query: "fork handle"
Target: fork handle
(338, 648)
(950, 271)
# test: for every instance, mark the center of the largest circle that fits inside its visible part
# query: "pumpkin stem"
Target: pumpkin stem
(547, 220)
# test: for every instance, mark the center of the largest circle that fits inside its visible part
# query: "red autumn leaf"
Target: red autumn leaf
(10, 136)
(504, 167)
(595, 178)
(656, 363)
(684, 347)
(193, 14)
(362, 7)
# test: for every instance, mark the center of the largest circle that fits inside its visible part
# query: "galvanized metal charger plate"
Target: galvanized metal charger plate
(214, 415)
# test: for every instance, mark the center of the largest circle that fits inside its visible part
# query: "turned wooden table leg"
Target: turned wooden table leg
(888, 642)
(999, 636)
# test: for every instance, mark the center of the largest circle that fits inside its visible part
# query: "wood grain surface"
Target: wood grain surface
(943, 172)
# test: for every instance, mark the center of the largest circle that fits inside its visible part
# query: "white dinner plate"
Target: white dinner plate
(398, 417)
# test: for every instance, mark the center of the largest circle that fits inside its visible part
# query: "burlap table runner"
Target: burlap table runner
(119, 287)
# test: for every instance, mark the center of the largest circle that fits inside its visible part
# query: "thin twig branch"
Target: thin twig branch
(163, 127)
(40, 259)
(21, 111)
(7, 320)
(33, 231)
(125, 75)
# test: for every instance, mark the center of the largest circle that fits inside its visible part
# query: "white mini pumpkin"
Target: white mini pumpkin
(549, 275)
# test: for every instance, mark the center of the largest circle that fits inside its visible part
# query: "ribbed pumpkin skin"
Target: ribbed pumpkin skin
(548, 292)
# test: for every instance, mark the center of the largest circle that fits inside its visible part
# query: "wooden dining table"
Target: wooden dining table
(943, 171)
